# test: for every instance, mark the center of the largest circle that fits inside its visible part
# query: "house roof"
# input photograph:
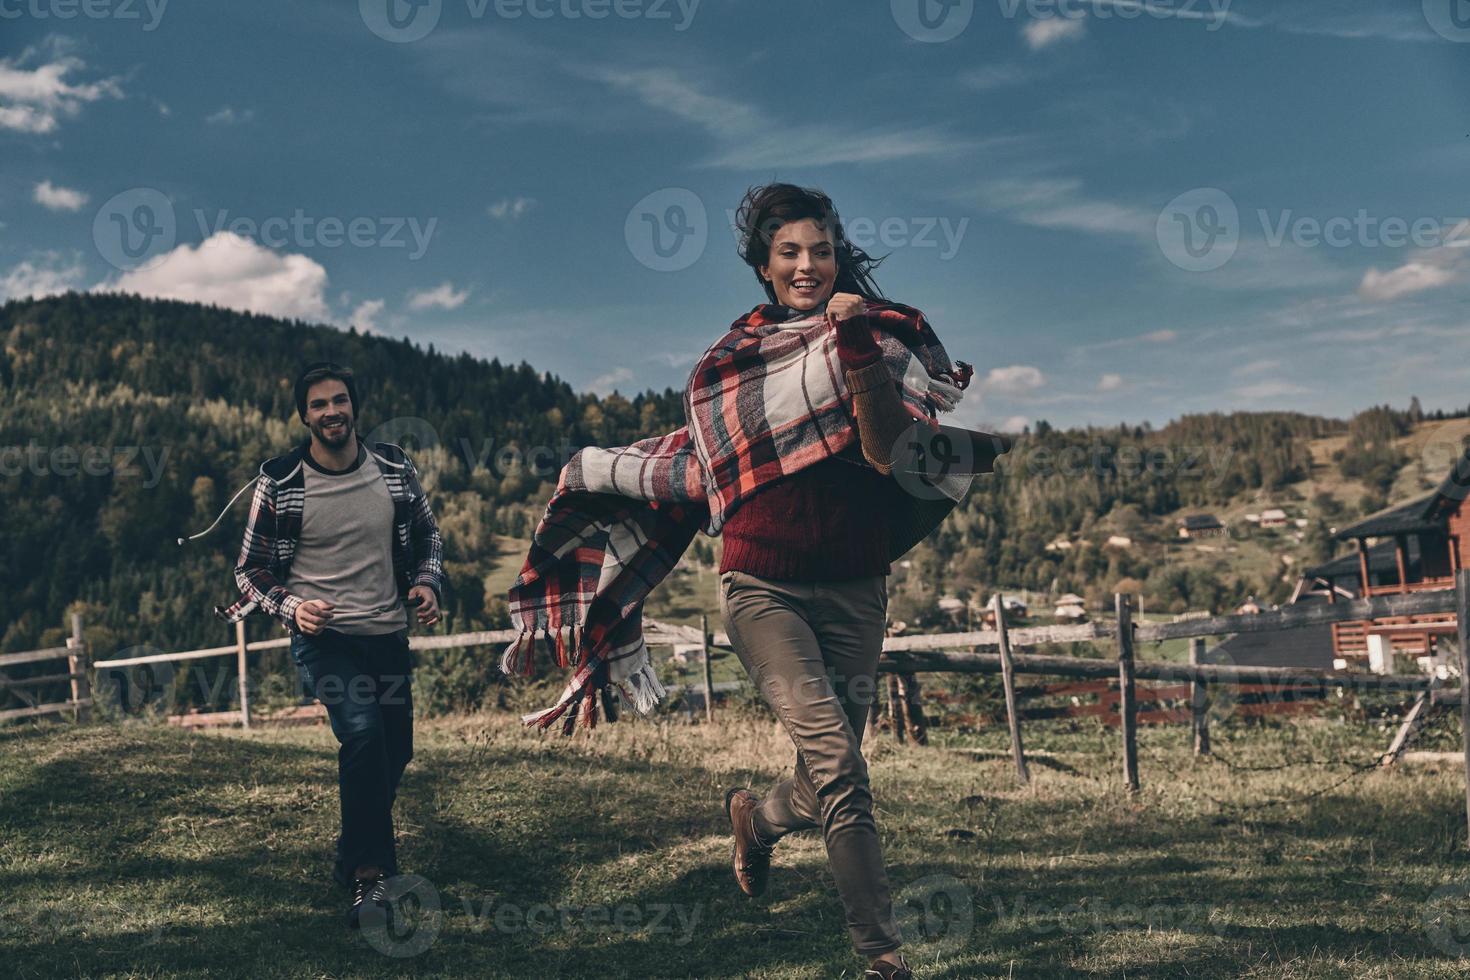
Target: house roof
(1307, 646)
(1201, 522)
(1410, 517)
(1382, 557)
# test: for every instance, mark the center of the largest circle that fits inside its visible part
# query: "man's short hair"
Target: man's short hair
(321, 371)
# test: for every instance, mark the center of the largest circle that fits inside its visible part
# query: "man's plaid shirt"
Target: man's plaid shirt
(274, 526)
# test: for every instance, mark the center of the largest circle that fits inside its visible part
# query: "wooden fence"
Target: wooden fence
(965, 653)
(75, 655)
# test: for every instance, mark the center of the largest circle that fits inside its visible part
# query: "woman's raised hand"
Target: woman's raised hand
(844, 306)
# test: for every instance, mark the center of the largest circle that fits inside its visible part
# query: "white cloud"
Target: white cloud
(511, 208)
(1015, 423)
(1264, 390)
(365, 316)
(1256, 367)
(45, 277)
(1046, 31)
(1429, 268)
(751, 139)
(1110, 382)
(604, 384)
(1056, 202)
(230, 270)
(59, 198)
(1161, 336)
(229, 116)
(443, 296)
(1016, 379)
(33, 100)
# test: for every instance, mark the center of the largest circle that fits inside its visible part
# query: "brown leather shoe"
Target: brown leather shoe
(884, 970)
(752, 858)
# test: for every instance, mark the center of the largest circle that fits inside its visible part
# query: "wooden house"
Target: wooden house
(1410, 547)
(1201, 526)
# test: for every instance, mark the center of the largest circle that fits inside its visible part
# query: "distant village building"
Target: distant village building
(1120, 541)
(1249, 608)
(1071, 607)
(1253, 518)
(1060, 544)
(1201, 526)
(1273, 518)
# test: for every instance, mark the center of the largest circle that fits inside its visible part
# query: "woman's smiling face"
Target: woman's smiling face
(803, 264)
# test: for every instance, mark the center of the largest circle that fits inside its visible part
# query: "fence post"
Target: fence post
(1462, 624)
(1008, 680)
(240, 651)
(896, 708)
(709, 682)
(77, 663)
(1127, 696)
(1199, 699)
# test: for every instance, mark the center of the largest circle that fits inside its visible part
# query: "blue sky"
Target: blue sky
(1115, 210)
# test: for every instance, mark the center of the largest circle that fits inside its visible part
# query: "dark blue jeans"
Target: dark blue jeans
(364, 683)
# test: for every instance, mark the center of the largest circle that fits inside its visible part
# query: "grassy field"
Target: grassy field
(138, 850)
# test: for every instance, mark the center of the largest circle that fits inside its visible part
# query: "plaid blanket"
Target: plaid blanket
(768, 399)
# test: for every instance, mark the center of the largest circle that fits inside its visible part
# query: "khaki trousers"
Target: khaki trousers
(812, 648)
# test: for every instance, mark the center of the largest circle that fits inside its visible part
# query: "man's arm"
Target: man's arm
(252, 568)
(428, 546)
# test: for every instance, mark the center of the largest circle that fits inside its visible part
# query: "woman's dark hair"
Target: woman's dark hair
(765, 209)
(321, 371)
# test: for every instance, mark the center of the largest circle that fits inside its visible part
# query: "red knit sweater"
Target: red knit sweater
(828, 521)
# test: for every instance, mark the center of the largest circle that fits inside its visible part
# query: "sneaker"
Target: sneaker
(752, 858)
(368, 894)
(884, 970)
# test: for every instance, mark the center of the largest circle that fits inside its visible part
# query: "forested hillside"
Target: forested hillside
(127, 423)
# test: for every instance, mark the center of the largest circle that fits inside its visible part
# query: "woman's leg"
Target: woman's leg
(770, 624)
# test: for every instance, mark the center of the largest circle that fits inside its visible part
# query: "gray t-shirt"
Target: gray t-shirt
(345, 552)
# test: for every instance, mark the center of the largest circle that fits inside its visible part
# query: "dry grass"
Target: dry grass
(134, 850)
